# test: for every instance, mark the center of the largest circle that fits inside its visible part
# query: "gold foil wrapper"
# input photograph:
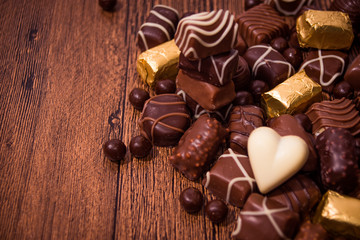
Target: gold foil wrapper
(339, 214)
(159, 62)
(324, 30)
(292, 96)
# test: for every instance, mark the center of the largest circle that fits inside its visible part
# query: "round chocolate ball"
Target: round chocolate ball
(107, 5)
(293, 56)
(191, 200)
(140, 147)
(216, 211)
(251, 3)
(165, 86)
(293, 42)
(279, 44)
(257, 87)
(138, 98)
(243, 98)
(114, 150)
(343, 89)
(304, 121)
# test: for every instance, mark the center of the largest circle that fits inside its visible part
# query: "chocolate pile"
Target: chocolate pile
(271, 127)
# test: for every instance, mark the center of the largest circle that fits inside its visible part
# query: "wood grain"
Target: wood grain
(66, 70)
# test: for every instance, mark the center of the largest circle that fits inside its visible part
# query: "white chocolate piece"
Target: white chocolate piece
(274, 159)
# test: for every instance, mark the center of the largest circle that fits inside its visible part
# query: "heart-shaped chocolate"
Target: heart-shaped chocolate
(273, 158)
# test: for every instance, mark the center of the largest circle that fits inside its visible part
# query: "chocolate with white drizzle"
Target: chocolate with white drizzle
(231, 178)
(288, 7)
(263, 218)
(160, 27)
(205, 34)
(325, 67)
(243, 120)
(268, 65)
(217, 70)
(164, 119)
(198, 146)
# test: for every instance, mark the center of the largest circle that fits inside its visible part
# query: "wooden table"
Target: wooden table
(66, 70)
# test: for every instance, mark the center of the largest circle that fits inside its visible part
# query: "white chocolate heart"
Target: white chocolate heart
(273, 158)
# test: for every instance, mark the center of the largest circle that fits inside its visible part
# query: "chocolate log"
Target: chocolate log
(261, 24)
(164, 119)
(231, 178)
(340, 113)
(300, 194)
(263, 218)
(160, 27)
(268, 65)
(198, 147)
(352, 74)
(288, 125)
(243, 120)
(205, 34)
(207, 95)
(338, 160)
(217, 70)
(325, 67)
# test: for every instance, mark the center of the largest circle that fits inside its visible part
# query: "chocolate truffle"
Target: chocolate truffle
(191, 199)
(242, 75)
(164, 119)
(160, 27)
(288, 125)
(205, 34)
(343, 89)
(114, 150)
(140, 147)
(299, 194)
(268, 65)
(293, 56)
(261, 24)
(231, 178)
(310, 230)
(107, 5)
(165, 86)
(216, 211)
(243, 98)
(352, 74)
(217, 70)
(336, 113)
(325, 67)
(243, 120)
(138, 98)
(198, 147)
(338, 160)
(263, 218)
(279, 44)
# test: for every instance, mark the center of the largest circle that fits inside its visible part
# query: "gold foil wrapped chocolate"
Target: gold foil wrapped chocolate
(324, 30)
(159, 62)
(292, 96)
(339, 215)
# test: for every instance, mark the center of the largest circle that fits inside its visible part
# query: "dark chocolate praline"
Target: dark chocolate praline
(140, 147)
(138, 97)
(216, 210)
(191, 199)
(114, 150)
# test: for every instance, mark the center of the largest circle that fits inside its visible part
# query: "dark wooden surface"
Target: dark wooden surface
(65, 67)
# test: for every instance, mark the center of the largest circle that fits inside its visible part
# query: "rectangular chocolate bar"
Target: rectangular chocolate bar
(159, 62)
(339, 214)
(293, 95)
(324, 30)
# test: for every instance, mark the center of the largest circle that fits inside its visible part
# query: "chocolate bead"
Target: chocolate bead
(343, 89)
(257, 87)
(293, 41)
(243, 98)
(114, 150)
(293, 56)
(216, 211)
(251, 3)
(165, 86)
(304, 121)
(140, 147)
(191, 200)
(107, 5)
(138, 98)
(279, 44)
